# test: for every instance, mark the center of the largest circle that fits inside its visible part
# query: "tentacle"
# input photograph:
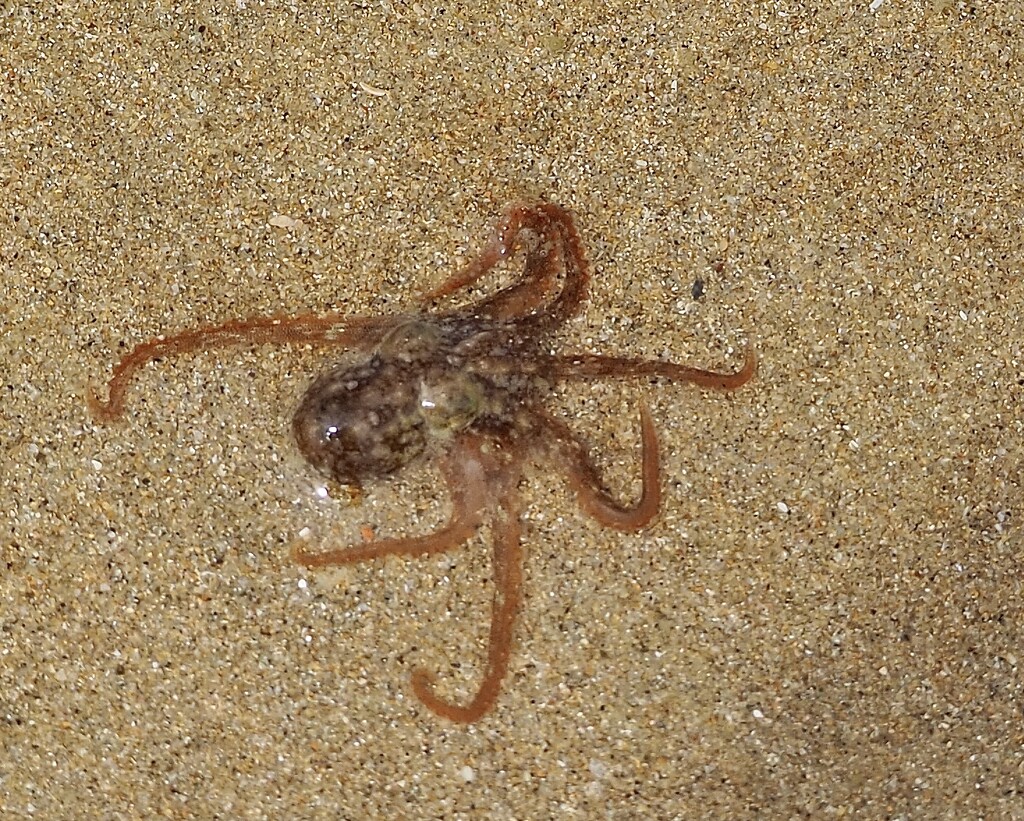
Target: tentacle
(508, 556)
(468, 485)
(332, 328)
(559, 250)
(457, 531)
(496, 476)
(576, 277)
(585, 366)
(584, 478)
(478, 478)
(508, 598)
(501, 246)
(520, 299)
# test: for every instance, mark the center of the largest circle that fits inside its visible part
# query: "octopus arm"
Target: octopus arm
(585, 480)
(595, 366)
(331, 329)
(467, 482)
(484, 476)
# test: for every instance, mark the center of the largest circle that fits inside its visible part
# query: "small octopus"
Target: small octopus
(464, 385)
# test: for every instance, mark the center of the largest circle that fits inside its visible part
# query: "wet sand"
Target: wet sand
(825, 621)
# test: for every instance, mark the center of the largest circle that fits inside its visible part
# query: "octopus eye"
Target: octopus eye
(451, 405)
(412, 341)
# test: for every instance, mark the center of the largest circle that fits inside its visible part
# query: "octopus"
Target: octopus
(463, 385)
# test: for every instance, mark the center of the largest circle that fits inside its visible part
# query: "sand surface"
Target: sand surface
(826, 620)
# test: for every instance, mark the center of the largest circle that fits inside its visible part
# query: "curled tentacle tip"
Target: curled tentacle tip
(422, 682)
(422, 686)
(299, 553)
(101, 410)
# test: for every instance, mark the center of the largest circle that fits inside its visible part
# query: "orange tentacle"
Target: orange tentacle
(508, 598)
(596, 366)
(595, 502)
(334, 329)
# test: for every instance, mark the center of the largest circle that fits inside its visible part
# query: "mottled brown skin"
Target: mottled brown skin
(465, 385)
